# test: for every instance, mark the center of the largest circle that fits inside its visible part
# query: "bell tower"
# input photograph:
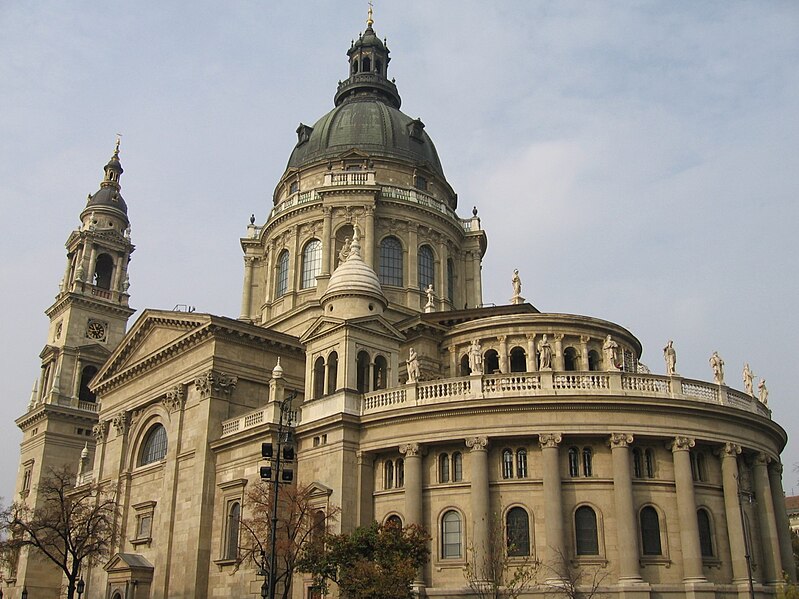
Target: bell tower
(87, 321)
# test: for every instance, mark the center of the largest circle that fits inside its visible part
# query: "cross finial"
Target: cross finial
(369, 20)
(116, 147)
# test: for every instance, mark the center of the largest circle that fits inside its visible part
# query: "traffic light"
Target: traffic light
(288, 453)
(287, 476)
(266, 450)
(266, 472)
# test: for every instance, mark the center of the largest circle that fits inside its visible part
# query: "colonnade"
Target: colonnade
(774, 538)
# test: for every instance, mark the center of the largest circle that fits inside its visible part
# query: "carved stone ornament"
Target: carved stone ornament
(730, 449)
(478, 443)
(620, 440)
(215, 381)
(761, 459)
(777, 467)
(410, 450)
(121, 423)
(100, 431)
(682, 443)
(549, 440)
(174, 399)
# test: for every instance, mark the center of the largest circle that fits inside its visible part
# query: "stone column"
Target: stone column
(553, 508)
(115, 285)
(769, 539)
(454, 367)
(369, 230)
(686, 510)
(413, 258)
(557, 359)
(413, 494)
(443, 288)
(783, 525)
(246, 292)
(478, 459)
(584, 339)
(92, 263)
(732, 511)
(366, 487)
(478, 280)
(76, 379)
(328, 248)
(503, 354)
(532, 363)
(269, 273)
(626, 520)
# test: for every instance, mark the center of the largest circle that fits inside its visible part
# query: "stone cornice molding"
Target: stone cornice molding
(620, 440)
(411, 450)
(681, 444)
(478, 443)
(549, 440)
(68, 298)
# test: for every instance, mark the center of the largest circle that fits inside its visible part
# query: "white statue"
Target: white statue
(126, 283)
(611, 351)
(92, 223)
(670, 355)
(345, 251)
(763, 392)
(517, 283)
(748, 377)
(717, 364)
(413, 366)
(476, 357)
(127, 232)
(79, 274)
(61, 286)
(430, 306)
(544, 354)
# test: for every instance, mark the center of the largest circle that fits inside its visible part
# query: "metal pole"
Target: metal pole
(284, 408)
(747, 549)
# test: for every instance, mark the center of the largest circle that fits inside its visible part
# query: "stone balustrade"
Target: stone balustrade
(253, 419)
(547, 384)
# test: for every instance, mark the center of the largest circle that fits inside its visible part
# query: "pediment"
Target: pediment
(153, 333)
(123, 562)
(353, 153)
(317, 489)
(372, 325)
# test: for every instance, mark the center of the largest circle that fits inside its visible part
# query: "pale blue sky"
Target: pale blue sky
(636, 161)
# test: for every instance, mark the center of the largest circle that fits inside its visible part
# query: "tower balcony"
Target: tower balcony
(549, 385)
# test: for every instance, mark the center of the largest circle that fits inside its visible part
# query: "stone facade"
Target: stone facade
(547, 421)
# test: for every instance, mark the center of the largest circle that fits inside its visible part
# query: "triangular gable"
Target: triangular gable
(376, 325)
(353, 153)
(122, 562)
(154, 331)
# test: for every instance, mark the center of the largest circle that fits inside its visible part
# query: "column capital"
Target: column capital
(248, 260)
(558, 336)
(478, 443)
(327, 210)
(776, 468)
(502, 338)
(620, 440)
(761, 459)
(585, 338)
(681, 444)
(410, 450)
(530, 337)
(730, 450)
(549, 440)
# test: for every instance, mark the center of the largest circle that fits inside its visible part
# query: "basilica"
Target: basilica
(362, 328)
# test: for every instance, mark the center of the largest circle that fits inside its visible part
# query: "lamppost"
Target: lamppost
(277, 473)
(81, 587)
(745, 527)
(25, 592)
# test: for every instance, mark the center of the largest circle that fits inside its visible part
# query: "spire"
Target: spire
(113, 170)
(369, 20)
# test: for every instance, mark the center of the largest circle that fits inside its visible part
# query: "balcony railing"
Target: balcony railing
(253, 419)
(548, 384)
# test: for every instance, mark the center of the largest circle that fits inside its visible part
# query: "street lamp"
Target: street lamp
(277, 476)
(25, 592)
(80, 589)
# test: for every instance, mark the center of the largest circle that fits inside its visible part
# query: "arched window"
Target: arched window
(570, 358)
(705, 533)
(649, 463)
(232, 537)
(491, 361)
(399, 473)
(381, 372)
(394, 520)
(507, 463)
(518, 360)
(86, 375)
(319, 377)
(426, 267)
(282, 275)
(354, 66)
(388, 474)
(588, 459)
(378, 66)
(594, 360)
(443, 468)
(450, 279)
(390, 269)
(517, 526)
(457, 467)
(332, 372)
(585, 531)
(420, 182)
(103, 269)
(521, 463)
(311, 263)
(319, 525)
(154, 446)
(637, 463)
(650, 531)
(366, 64)
(465, 370)
(574, 462)
(451, 535)
(363, 372)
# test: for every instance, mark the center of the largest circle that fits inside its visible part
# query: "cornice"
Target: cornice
(63, 301)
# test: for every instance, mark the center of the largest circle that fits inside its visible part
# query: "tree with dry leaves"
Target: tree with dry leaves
(67, 526)
(300, 519)
(564, 578)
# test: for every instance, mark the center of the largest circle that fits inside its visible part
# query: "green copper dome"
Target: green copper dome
(366, 116)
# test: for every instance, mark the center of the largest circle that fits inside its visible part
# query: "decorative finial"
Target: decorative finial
(116, 146)
(474, 211)
(252, 219)
(369, 20)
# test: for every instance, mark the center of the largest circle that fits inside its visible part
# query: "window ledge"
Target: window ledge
(655, 560)
(226, 561)
(590, 560)
(141, 541)
(711, 562)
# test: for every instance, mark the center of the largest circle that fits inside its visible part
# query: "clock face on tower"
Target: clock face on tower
(96, 330)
